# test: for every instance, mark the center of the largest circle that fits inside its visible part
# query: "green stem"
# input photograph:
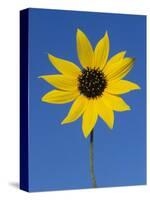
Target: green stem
(92, 159)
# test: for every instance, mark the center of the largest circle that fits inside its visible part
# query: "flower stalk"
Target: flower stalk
(93, 178)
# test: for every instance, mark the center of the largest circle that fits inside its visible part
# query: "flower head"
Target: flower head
(96, 88)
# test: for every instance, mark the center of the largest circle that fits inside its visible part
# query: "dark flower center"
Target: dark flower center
(92, 82)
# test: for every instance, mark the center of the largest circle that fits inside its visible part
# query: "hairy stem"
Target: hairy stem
(92, 159)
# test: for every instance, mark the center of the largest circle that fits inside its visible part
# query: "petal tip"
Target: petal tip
(50, 56)
(43, 99)
(106, 35)
(111, 126)
(79, 31)
(138, 87)
(130, 59)
(124, 53)
(63, 122)
(128, 108)
(86, 133)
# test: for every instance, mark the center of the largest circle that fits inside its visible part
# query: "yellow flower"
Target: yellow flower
(95, 88)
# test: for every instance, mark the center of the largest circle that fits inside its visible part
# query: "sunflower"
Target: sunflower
(96, 88)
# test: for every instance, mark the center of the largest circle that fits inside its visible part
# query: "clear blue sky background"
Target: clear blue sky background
(59, 154)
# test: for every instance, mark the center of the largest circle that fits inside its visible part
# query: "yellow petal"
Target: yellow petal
(76, 110)
(61, 82)
(101, 52)
(115, 102)
(65, 67)
(121, 87)
(113, 62)
(121, 69)
(60, 97)
(89, 118)
(105, 112)
(84, 49)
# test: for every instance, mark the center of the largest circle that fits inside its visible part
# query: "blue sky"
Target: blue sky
(59, 154)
